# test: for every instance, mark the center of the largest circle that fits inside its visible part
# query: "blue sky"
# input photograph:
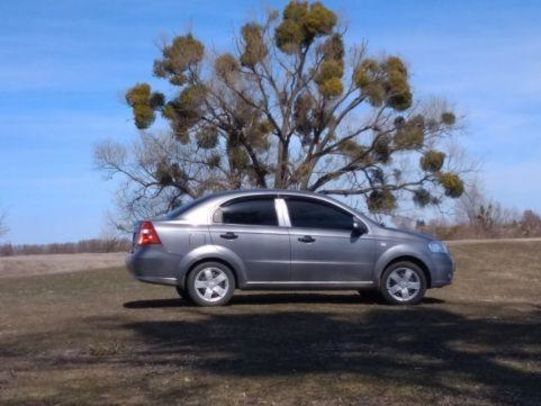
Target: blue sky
(65, 64)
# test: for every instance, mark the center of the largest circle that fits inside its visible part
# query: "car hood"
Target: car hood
(405, 234)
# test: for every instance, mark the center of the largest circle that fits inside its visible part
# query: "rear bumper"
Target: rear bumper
(156, 280)
(153, 265)
(442, 270)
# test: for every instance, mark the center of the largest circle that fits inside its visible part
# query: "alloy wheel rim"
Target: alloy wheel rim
(403, 284)
(211, 284)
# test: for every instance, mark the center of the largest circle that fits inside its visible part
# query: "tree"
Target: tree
(290, 108)
(481, 216)
(530, 224)
(3, 228)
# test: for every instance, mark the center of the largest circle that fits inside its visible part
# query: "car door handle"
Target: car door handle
(306, 238)
(229, 236)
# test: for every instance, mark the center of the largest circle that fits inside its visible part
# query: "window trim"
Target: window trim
(321, 202)
(245, 198)
(283, 212)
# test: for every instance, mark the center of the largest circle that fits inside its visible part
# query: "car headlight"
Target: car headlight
(437, 247)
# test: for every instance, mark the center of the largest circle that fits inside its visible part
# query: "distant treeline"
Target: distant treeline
(487, 222)
(90, 246)
(477, 221)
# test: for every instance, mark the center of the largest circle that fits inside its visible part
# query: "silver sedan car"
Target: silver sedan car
(278, 239)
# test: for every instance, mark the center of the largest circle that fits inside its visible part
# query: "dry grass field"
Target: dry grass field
(27, 265)
(98, 337)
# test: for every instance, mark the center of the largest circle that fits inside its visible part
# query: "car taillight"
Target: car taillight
(147, 234)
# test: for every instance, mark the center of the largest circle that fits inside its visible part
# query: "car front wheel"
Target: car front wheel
(403, 283)
(210, 284)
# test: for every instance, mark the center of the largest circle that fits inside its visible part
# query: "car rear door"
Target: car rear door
(324, 247)
(250, 228)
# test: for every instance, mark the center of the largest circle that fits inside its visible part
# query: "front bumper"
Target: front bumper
(442, 270)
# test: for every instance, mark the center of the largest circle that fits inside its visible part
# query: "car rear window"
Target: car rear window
(181, 210)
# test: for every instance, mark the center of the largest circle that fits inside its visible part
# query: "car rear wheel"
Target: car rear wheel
(403, 283)
(210, 284)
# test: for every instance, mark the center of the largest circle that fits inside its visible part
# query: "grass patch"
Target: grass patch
(98, 337)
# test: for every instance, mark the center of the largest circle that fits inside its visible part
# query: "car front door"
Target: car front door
(250, 228)
(324, 246)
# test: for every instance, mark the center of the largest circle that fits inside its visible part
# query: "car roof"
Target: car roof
(199, 209)
(239, 193)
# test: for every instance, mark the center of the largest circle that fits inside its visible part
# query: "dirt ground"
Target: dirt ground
(27, 265)
(99, 337)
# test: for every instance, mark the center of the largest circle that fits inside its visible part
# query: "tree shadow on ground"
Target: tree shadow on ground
(426, 347)
(310, 346)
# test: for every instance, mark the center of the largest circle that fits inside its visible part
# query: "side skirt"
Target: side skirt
(308, 285)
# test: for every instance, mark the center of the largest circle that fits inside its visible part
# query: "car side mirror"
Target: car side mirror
(359, 228)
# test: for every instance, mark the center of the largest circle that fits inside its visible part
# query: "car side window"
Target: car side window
(311, 214)
(255, 212)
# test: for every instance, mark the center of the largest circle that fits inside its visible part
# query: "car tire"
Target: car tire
(181, 292)
(210, 284)
(403, 283)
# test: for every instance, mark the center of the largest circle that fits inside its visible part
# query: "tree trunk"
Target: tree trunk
(280, 181)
